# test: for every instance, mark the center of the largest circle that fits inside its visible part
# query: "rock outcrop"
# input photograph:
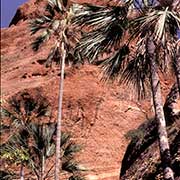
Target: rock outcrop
(142, 159)
(98, 115)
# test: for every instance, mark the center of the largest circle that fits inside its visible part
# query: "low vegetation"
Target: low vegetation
(31, 143)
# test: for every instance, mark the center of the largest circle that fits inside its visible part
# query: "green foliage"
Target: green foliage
(76, 178)
(133, 135)
(108, 28)
(141, 131)
(15, 155)
(6, 175)
(33, 143)
(17, 150)
(56, 22)
(71, 149)
(114, 29)
(70, 166)
(23, 108)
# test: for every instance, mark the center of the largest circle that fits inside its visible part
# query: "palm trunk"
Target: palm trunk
(159, 114)
(42, 167)
(177, 66)
(22, 172)
(58, 140)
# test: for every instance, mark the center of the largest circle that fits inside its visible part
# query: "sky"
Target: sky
(8, 10)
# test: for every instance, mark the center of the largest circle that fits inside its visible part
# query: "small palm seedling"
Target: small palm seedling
(34, 148)
(15, 151)
(31, 143)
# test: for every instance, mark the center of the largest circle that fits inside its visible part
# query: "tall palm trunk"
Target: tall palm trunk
(159, 114)
(58, 140)
(22, 172)
(42, 167)
(177, 66)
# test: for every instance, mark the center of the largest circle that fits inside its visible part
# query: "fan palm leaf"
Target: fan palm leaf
(108, 26)
(113, 66)
(152, 29)
(98, 16)
(74, 177)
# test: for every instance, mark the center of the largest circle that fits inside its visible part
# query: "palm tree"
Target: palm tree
(142, 44)
(15, 151)
(177, 64)
(21, 110)
(35, 148)
(43, 148)
(31, 143)
(56, 22)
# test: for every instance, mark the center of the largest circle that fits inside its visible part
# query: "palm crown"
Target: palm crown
(141, 44)
(55, 24)
(32, 142)
(129, 60)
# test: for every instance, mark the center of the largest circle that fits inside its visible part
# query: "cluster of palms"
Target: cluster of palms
(31, 143)
(142, 39)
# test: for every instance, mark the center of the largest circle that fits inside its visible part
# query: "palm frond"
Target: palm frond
(47, 21)
(54, 55)
(71, 149)
(17, 124)
(74, 177)
(56, 4)
(173, 22)
(70, 166)
(15, 149)
(3, 128)
(15, 121)
(86, 14)
(6, 175)
(113, 67)
(5, 113)
(65, 3)
(136, 73)
(15, 105)
(49, 132)
(162, 24)
(64, 138)
(23, 108)
(41, 39)
(50, 10)
(39, 24)
(133, 71)
(50, 150)
(102, 39)
(98, 16)
(43, 136)
(109, 25)
(142, 25)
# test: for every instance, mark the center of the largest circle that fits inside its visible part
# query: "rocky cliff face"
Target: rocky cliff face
(142, 158)
(98, 115)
